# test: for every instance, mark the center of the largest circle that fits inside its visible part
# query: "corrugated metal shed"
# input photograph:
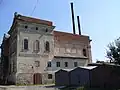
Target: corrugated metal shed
(100, 76)
(80, 76)
(62, 78)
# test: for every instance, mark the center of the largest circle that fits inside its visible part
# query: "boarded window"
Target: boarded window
(57, 64)
(57, 50)
(49, 64)
(68, 50)
(62, 50)
(75, 64)
(25, 44)
(74, 50)
(47, 46)
(66, 64)
(79, 51)
(36, 46)
(84, 52)
(49, 76)
(37, 63)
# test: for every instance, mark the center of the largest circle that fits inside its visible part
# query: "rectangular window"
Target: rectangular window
(26, 44)
(37, 63)
(49, 76)
(66, 64)
(47, 46)
(49, 64)
(84, 53)
(57, 64)
(75, 64)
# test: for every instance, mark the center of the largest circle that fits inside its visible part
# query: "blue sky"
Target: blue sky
(100, 19)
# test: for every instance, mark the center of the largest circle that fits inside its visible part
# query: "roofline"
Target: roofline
(74, 34)
(16, 18)
(83, 68)
(35, 18)
(100, 64)
(70, 33)
(13, 23)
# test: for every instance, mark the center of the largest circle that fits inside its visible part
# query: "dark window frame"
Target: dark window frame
(25, 44)
(49, 64)
(36, 28)
(26, 26)
(46, 30)
(66, 64)
(84, 53)
(50, 76)
(57, 64)
(47, 46)
(75, 64)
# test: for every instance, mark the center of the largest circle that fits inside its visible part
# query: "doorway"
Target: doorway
(37, 78)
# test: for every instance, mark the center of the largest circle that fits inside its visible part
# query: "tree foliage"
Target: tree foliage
(113, 52)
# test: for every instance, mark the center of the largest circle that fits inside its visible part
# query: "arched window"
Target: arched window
(25, 44)
(36, 46)
(84, 52)
(47, 46)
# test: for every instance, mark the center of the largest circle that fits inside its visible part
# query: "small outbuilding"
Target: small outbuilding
(62, 77)
(98, 76)
(80, 76)
(105, 75)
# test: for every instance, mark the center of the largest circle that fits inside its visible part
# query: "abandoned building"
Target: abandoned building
(35, 50)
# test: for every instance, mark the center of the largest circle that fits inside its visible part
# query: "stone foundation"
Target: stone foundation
(27, 78)
(24, 78)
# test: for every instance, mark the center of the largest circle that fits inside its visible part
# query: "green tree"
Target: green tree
(113, 52)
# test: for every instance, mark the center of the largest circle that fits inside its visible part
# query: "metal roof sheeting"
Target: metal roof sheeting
(89, 67)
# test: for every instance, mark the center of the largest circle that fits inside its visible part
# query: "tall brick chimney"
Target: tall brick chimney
(79, 28)
(73, 22)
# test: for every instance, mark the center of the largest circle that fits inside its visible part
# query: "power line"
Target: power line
(34, 7)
